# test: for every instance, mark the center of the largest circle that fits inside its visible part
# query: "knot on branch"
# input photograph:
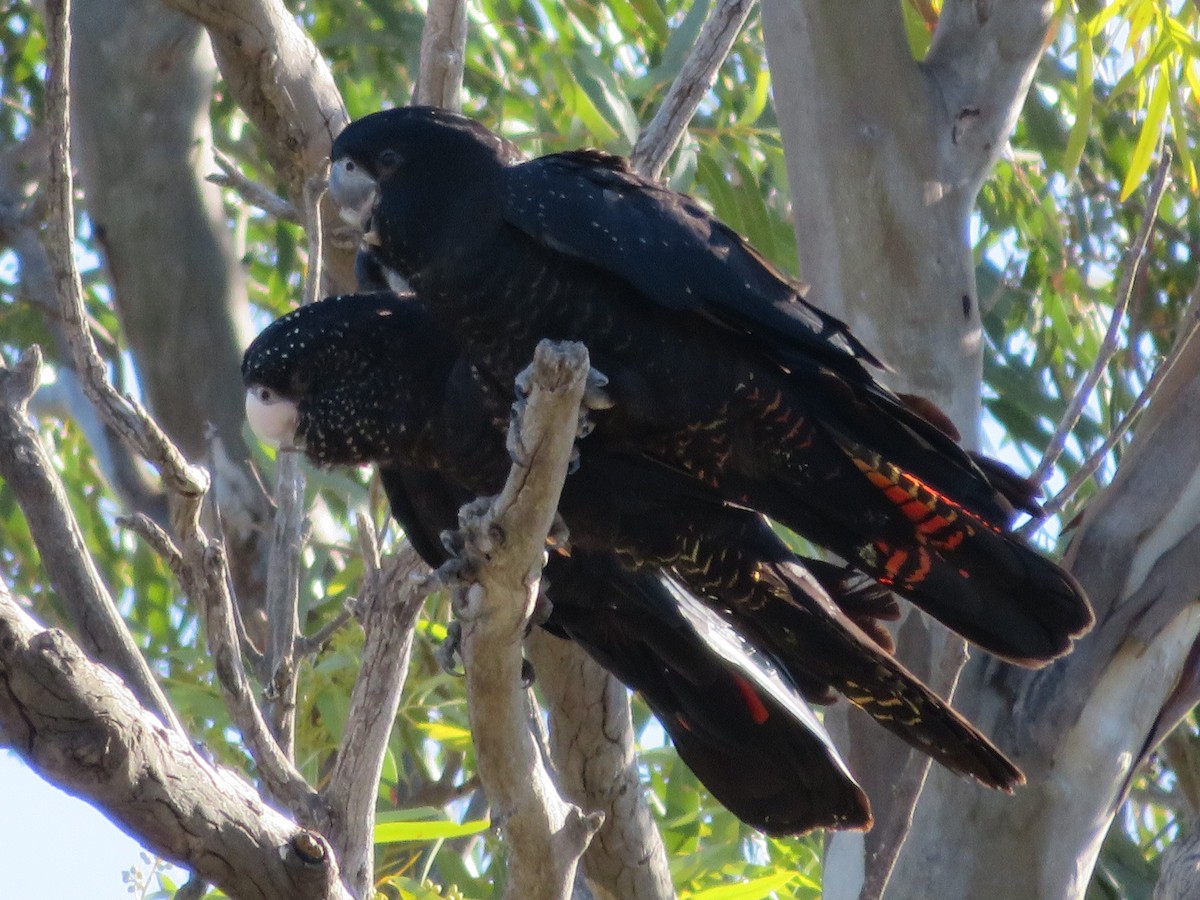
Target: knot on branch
(18, 384)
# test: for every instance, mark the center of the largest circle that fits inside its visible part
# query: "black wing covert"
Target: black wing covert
(591, 206)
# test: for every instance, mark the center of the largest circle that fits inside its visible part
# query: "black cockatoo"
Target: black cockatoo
(371, 378)
(715, 362)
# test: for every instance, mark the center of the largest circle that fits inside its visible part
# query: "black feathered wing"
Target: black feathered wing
(735, 721)
(591, 206)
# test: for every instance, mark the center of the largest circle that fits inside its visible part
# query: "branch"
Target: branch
(77, 725)
(504, 548)
(284, 565)
(443, 43)
(982, 59)
(1056, 503)
(390, 604)
(280, 80)
(591, 741)
(251, 191)
(659, 139)
(1131, 270)
(124, 415)
(73, 576)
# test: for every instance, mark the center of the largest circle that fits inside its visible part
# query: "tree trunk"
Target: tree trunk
(886, 156)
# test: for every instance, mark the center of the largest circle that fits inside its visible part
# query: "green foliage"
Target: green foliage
(1119, 82)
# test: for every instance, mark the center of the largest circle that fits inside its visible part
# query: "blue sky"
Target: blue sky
(54, 845)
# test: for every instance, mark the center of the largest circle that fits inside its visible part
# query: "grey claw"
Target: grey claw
(453, 541)
(447, 651)
(516, 452)
(522, 383)
(542, 608)
(560, 534)
(528, 676)
(594, 395)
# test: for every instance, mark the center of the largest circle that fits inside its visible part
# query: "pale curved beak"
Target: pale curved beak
(272, 418)
(354, 191)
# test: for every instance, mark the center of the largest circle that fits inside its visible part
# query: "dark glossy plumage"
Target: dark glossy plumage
(735, 720)
(716, 364)
(647, 515)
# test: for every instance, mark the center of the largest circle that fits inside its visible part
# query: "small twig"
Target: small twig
(307, 645)
(283, 574)
(659, 139)
(314, 190)
(1132, 267)
(443, 43)
(1090, 465)
(209, 582)
(157, 538)
(252, 192)
(283, 597)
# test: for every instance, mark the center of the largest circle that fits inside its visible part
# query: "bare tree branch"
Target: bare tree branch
(591, 741)
(443, 43)
(659, 139)
(1056, 503)
(78, 726)
(73, 575)
(1131, 269)
(126, 416)
(504, 550)
(390, 603)
(252, 192)
(283, 599)
(279, 79)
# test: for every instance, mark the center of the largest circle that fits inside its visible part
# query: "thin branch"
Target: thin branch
(157, 538)
(287, 543)
(123, 414)
(77, 725)
(1090, 465)
(307, 645)
(282, 600)
(591, 741)
(1134, 264)
(504, 547)
(890, 834)
(209, 584)
(443, 43)
(390, 604)
(82, 593)
(252, 192)
(314, 190)
(659, 139)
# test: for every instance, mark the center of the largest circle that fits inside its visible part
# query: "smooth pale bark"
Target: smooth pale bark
(886, 156)
(591, 741)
